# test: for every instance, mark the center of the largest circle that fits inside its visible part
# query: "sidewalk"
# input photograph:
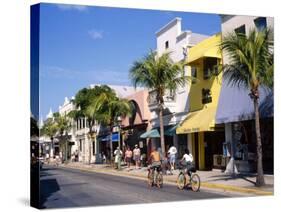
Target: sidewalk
(215, 180)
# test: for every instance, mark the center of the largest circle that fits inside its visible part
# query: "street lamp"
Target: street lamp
(119, 121)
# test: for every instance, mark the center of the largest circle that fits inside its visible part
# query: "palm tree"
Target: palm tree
(99, 105)
(250, 66)
(63, 125)
(49, 129)
(159, 74)
(110, 108)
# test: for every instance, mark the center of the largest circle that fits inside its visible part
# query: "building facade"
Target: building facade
(139, 122)
(171, 38)
(204, 136)
(236, 109)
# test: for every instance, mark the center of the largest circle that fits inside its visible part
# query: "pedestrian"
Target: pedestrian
(136, 155)
(118, 154)
(172, 156)
(47, 158)
(103, 158)
(128, 157)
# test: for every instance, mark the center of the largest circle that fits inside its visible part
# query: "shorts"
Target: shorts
(155, 164)
(172, 158)
(137, 158)
(128, 160)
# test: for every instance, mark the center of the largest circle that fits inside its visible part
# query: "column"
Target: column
(201, 148)
(176, 144)
(231, 168)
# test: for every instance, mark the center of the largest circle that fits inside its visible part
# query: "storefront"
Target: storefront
(236, 112)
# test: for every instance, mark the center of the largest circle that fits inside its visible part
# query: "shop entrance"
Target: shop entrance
(213, 146)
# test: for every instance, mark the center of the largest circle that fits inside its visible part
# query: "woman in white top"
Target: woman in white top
(188, 159)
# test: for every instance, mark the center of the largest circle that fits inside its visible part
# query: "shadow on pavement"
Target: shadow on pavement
(47, 188)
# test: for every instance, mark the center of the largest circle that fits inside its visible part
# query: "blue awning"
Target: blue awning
(235, 104)
(115, 137)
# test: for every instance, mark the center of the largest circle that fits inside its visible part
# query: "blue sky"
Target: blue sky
(82, 45)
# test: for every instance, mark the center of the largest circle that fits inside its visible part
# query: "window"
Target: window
(206, 96)
(194, 74)
(80, 145)
(210, 67)
(83, 123)
(240, 30)
(166, 44)
(260, 23)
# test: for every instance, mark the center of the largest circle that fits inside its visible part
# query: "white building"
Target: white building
(235, 108)
(171, 38)
(88, 150)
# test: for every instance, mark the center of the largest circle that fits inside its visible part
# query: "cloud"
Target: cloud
(65, 7)
(95, 34)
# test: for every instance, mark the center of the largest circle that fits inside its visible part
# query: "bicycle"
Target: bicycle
(194, 179)
(155, 179)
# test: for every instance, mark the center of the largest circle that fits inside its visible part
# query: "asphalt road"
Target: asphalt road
(62, 187)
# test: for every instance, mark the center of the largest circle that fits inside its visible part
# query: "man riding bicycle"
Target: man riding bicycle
(155, 158)
(187, 160)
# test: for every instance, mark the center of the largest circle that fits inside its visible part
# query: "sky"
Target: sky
(83, 45)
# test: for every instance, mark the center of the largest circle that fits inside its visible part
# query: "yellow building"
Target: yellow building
(204, 137)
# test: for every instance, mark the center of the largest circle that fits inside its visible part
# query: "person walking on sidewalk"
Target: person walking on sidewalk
(172, 156)
(136, 155)
(128, 156)
(118, 154)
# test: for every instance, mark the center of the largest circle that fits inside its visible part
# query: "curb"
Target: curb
(172, 182)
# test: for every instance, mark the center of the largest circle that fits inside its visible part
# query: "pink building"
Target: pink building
(138, 123)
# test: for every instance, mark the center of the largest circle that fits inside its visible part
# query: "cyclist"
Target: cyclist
(155, 158)
(187, 159)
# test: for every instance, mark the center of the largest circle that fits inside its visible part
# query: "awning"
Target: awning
(206, 48)
(198, 121)
(115, 137)
(171, 130)
(235, 104)
(151, 134)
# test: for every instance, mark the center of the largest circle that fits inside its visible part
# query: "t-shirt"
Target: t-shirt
(172, 150)
(155, 156)
(188, 158)
(136, 151)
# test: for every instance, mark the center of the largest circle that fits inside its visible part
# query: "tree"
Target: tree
(49, 129)
(99, 105)
(63, 125)
(250, 66)
(110, 107)
(159, 74)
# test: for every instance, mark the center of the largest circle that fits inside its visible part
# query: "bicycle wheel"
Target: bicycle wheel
(159, 178)
(195, 182)
(150, 178)
(181, 181)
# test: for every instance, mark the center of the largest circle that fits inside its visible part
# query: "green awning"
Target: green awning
(151, 134)
(171, 130)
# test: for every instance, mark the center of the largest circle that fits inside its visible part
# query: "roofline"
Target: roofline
(168, 26)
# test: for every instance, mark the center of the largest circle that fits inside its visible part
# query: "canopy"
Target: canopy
(115, 137)
(207, 48)
(198, 121)
(235, 104)
(151, 134)
(171, 130)
(105, 138)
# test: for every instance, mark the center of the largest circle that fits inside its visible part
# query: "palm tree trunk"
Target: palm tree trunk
(161, 129)
(260, 178)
